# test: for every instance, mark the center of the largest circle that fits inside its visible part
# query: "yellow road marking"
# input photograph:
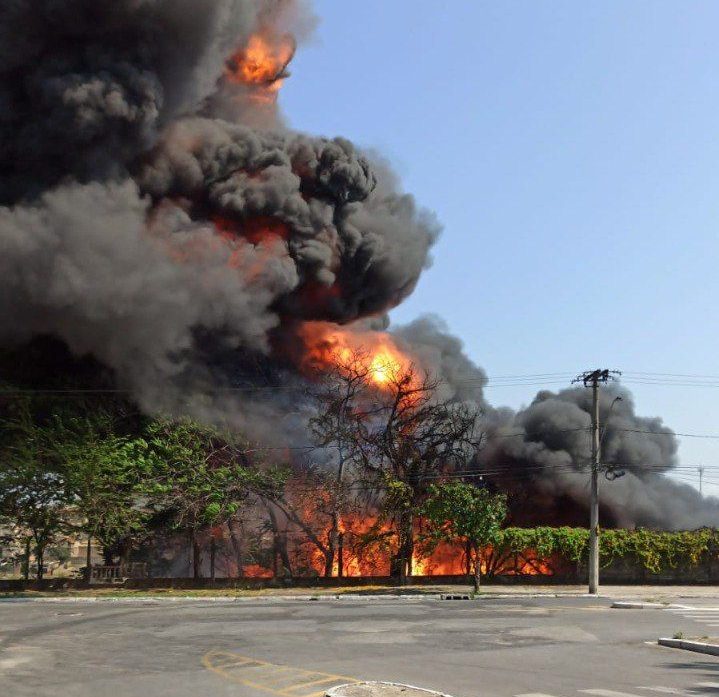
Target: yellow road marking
(267, 677)
(292, 674)
(308, 684)
(234, 664)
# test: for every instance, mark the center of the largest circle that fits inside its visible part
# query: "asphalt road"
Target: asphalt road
(558, 647)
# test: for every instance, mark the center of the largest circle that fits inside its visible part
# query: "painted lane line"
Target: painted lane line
(607, 693)
(666, 690)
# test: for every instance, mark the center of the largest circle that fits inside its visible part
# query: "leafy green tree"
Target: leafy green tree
(201, 477)
(105, 476)
(32, 485)
(463, 511)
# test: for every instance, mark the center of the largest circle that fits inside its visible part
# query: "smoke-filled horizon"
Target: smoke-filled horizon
(157, 214)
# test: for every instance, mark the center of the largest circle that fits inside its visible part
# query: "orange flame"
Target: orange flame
(329, 345)
(262, 61)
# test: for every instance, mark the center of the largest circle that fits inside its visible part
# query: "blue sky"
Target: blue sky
(570, 150)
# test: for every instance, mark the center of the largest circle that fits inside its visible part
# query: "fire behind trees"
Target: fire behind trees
(84, 459)
(393, 438)
(157, 213)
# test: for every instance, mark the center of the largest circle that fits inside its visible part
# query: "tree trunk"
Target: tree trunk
(126, 550)
(26, 562)
(280, 544)
(284, 556)
(406, 549)
(334, 530)
(477, 567)
(213, 551)
(340, 554)
(88, 560)
(237, 548)
(331, 547)
(40, 559)
(292, 515)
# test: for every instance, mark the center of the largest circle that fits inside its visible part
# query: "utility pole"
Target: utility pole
(593, 378)
(701, 477)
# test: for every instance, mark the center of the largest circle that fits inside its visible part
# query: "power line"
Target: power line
(667, 433)
(673, 375)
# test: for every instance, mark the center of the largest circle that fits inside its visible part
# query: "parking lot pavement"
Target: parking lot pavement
(538, 647)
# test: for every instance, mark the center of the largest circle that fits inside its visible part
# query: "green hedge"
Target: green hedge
(652, 550)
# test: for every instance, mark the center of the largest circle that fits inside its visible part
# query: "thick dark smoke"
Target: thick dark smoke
(86, 85)
(540, 454)
(132, 226)
(157, 214)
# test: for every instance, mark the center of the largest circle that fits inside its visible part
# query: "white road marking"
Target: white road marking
(708, 616)
(608, 693)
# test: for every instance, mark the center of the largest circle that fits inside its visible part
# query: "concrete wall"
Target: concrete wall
(619, 573)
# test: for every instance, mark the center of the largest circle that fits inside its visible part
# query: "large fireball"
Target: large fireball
(263, 61)
(327, 345)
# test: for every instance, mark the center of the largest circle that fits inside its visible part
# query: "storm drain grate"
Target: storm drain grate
(455, 596)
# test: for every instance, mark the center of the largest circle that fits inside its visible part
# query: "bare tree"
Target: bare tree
(340, 392)
(388, 423)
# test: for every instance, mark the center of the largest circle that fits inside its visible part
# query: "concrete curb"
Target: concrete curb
(631, 605)
(214, 598)
(393, 688)
(696, 646)
(356, 597)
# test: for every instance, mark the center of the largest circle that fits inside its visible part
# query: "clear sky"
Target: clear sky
(570, 150)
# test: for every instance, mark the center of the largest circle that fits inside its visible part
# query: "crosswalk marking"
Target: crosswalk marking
(665, 690)
(708, 616)
(692, 691)
(607, 693)
(699, 689)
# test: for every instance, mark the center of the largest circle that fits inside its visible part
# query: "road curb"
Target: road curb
(687, 645)
(380, 688)
(356, 597)
(630, 605)
(214, 598)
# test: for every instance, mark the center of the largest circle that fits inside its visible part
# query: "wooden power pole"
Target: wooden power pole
(592, 379)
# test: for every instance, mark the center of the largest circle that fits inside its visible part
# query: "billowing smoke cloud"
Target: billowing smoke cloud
(540, 454)
(156, 213)
(551, 459)
(132, 227)
(85, 86)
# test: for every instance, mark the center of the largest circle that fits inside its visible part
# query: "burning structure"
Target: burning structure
(157, 214)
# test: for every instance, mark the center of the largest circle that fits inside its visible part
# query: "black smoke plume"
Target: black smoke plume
(157, 214)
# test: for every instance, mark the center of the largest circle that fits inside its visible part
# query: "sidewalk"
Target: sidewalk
(657, 594)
